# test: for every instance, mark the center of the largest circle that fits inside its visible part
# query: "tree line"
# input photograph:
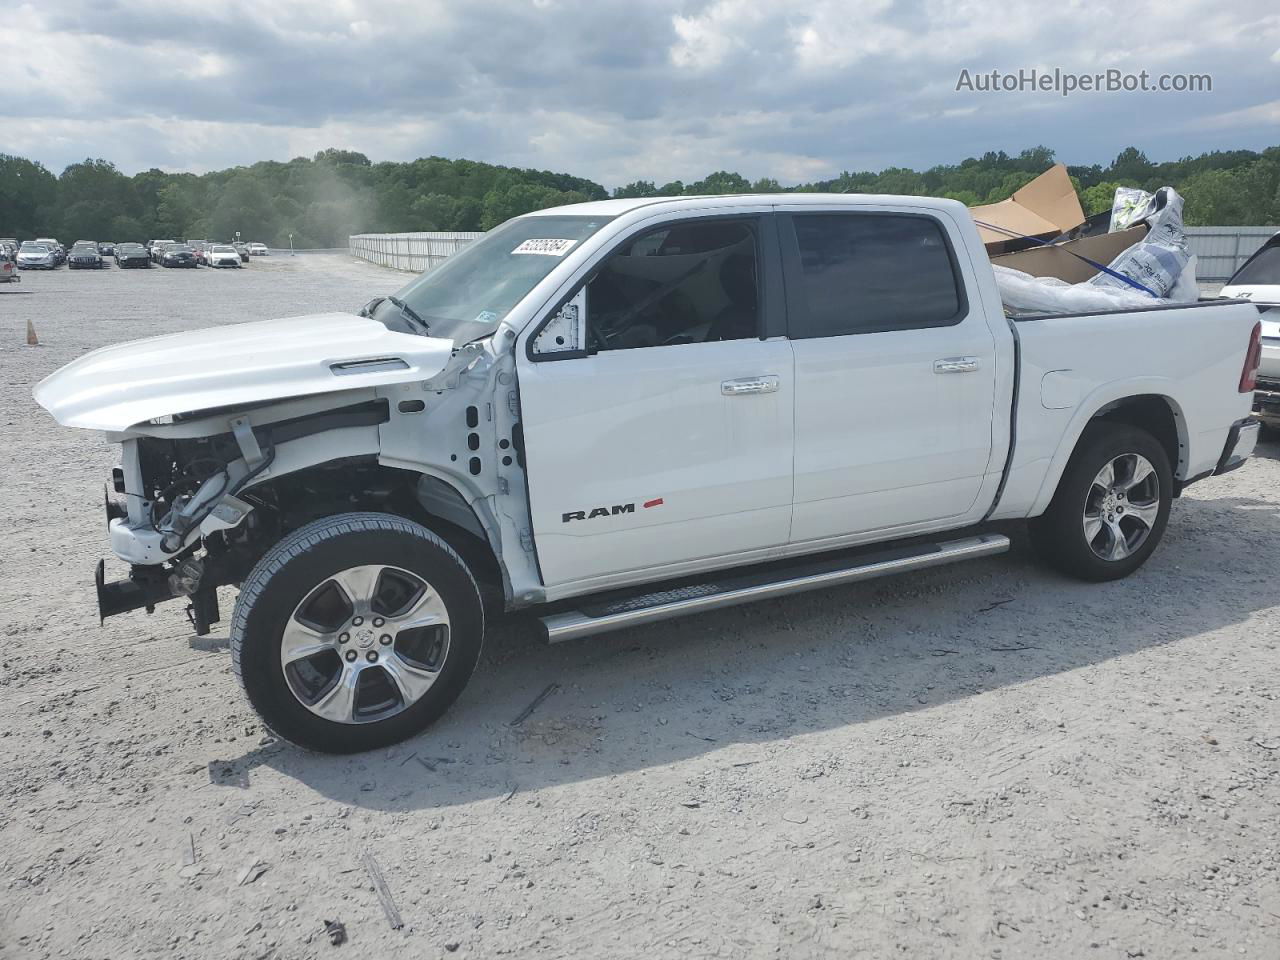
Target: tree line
(322, 199)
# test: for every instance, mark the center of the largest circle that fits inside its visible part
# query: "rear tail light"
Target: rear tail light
(1252, 360)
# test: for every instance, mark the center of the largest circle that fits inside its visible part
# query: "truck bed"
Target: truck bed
(1186, 356)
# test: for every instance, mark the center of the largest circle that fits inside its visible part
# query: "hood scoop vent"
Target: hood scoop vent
(346, 368)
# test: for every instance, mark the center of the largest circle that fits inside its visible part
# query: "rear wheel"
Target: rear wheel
(1111, 506)
(355, 632)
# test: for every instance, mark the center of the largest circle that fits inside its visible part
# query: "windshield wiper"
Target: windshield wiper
(409, 312)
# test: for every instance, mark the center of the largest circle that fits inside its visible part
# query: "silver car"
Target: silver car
(36, 256)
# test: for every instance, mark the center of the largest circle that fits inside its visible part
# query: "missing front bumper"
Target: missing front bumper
(143, 590)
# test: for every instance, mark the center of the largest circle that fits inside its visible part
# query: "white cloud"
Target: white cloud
(667, 89)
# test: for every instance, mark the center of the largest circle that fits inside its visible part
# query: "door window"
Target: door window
(868, 273)
(685, 282)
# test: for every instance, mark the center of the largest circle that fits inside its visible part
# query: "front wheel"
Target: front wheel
(356, 631)
(1111, 506)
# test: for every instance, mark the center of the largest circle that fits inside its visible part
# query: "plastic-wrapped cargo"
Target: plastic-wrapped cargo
(1158, 260)
(1158, 267)
(1022, 294)
(1129, 206)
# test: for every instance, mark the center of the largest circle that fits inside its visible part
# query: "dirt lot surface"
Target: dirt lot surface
(980, 761)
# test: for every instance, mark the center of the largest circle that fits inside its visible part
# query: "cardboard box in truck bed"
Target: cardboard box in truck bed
(1046, 208)
(1056, 261)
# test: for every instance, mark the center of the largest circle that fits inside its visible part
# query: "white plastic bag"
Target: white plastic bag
(1022, 293)
(1187, 289)
(1129, 206)
(1156, 261)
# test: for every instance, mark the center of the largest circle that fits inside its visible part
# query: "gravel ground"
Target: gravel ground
(982, 760)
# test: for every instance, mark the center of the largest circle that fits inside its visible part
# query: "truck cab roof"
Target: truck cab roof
(618, 207)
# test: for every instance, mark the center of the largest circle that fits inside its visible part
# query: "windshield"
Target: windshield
(30, 247)
(1262, 269)
(467, 296)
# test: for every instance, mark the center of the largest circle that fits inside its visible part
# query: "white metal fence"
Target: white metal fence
(1219, 250)
(415, 252)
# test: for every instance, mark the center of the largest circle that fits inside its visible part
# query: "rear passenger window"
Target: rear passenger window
(865, 273)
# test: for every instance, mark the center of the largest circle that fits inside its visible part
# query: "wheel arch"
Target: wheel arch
(426, 499)
(1148, 407)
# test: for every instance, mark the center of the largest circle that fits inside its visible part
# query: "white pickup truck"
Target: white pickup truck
(623, 411)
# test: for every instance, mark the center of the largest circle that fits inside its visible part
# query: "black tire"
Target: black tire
(302, 562)
(1059, 535)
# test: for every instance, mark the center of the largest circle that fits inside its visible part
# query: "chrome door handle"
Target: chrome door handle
(955, 365)
(747, 385)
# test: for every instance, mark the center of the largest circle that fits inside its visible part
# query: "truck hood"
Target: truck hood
(117, 387)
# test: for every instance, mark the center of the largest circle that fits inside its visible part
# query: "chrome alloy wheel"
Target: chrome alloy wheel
(1121, 506)
(365, 644)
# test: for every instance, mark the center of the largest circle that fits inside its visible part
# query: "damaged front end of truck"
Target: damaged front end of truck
(233, 437)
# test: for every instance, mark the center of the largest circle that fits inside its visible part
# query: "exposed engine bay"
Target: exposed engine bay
(201, 495)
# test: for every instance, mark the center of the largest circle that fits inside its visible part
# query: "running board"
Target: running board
(811, 575)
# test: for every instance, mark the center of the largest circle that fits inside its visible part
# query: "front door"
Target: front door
(895, 374)
(666, 439)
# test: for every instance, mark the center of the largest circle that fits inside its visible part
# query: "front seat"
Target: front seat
(738, 319)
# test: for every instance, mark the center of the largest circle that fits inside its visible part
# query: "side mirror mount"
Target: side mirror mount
(566, 331)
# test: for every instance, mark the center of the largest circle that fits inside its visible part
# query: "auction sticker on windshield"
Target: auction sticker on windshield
(550, 248)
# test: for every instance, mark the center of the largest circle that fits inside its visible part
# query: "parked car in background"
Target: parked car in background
(107, 249)
(132, 255)
(85, 256)
(34, 255)
(178, 255)
(1258, 280)
(258, 250)
(201, 250)
(58, 250)
(242, 250)
(9, 271)
(157, 247)
(222, 255)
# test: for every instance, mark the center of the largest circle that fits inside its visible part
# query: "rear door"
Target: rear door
(895, 374)
(664, 439)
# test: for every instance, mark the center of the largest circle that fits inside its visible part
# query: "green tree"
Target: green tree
(720, 182)
(640, 188)
(1239, 197)
(322, 198)
(1132, 165)
(26, 188)
(90, 195)
(1099, 197)
(500, 205)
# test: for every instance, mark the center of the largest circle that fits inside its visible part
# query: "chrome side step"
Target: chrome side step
(665, 604)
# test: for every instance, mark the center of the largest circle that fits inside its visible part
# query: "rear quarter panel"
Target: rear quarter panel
(1073, 367)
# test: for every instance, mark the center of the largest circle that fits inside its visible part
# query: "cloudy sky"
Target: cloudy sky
(654, 89)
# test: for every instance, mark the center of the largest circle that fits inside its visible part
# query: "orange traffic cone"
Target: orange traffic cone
(32, 339)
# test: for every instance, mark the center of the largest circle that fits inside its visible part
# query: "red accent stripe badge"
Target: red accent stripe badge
(653, 503)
